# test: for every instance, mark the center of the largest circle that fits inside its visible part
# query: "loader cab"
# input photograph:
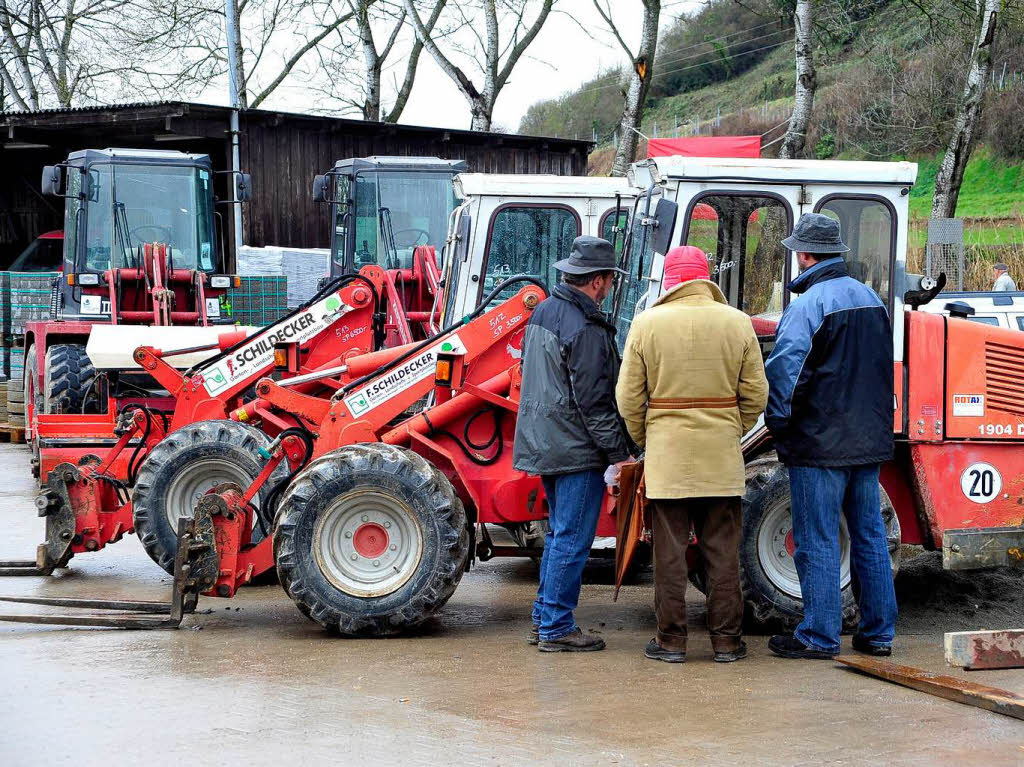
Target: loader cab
(738, 210)
(509, 225)
(382, 208)
(119, 200)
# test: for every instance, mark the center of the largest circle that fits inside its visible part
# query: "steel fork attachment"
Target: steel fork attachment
(54, 504)
(195, 569)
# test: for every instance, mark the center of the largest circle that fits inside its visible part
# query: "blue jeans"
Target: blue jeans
(819, 496)
(574, 504)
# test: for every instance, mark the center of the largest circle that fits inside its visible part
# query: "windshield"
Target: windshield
(395, 211)
(130, 205)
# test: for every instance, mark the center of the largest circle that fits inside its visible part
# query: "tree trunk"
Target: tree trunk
(636, 94)
(806, 83)
(958, 152)
(371, 63)
(480, 113)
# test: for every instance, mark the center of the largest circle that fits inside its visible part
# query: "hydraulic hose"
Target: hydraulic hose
(329, 287)
(269, 506)
(480, 309)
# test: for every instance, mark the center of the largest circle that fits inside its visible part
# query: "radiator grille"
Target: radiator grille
(1004, 378)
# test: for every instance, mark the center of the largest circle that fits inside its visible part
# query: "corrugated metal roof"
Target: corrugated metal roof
(93, 108)
(257, 112)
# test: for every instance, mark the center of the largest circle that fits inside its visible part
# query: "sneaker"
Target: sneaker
(861, 644)
(575, 641)
(732, 655)
(534, 636)
(655, 651)
(788, 646)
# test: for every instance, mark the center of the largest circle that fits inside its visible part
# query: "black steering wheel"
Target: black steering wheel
(419, 232)
(164, 231)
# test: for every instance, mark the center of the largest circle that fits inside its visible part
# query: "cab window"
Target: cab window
(71, 217)
(742, 237)
(610, 222)
(528, 240)
(342, 187)
(868, 228)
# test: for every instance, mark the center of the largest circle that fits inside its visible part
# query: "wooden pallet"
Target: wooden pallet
(14, 434)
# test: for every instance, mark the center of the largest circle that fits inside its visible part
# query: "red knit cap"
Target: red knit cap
(684, 263)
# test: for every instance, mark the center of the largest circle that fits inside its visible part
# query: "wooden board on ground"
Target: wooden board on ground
(949, 687)
(976, 650)
(10, 433)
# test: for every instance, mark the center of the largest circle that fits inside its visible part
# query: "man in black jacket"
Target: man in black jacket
(569, 432)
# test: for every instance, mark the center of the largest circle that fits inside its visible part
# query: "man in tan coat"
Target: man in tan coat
(691, 384)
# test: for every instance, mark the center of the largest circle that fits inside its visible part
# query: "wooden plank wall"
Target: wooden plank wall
(284, 157)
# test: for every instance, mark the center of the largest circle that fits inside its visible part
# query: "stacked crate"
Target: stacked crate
(24, 297)
(257, 301)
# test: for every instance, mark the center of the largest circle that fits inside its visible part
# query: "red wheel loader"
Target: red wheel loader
(140, 249)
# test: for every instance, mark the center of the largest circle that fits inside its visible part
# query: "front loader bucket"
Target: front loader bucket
(195, 569)
(53, 503)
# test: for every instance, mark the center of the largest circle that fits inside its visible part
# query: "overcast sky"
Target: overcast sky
(561, 58)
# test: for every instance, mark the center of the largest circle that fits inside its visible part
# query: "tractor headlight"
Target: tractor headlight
(223, 281)
(87, 279)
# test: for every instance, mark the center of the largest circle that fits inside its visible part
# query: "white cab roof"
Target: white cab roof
(813, 171)
(502, 185)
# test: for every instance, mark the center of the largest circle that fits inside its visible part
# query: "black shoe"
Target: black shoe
(860, 644)
(534, 636)
(655, 651)
(576, 641)
(788, 646)
(732, 655)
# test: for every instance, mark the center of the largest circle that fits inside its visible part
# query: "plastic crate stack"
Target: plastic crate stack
(258, 301)
(24, 297)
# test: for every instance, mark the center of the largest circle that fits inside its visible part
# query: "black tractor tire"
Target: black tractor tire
(767, 606)
(399, 490)
(185, 464)
(68, 377)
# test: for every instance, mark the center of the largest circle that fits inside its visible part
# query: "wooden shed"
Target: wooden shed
(282, 151)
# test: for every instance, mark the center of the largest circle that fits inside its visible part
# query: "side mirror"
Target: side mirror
(321, 189)
(52, 180)
(665, 218)
(243, 187)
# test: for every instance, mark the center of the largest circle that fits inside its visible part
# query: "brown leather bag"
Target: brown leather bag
(633, 518)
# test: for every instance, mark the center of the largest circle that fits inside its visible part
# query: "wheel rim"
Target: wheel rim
(367, 543)
(196, 479)
(775, 549)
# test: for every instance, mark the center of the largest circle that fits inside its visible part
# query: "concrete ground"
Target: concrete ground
(251, 681)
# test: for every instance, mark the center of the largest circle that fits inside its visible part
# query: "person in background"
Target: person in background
(1002, 281)
(569, 432)
(830, 410)
(691, 384)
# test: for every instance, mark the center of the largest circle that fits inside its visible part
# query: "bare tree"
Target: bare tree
(958, 152)
(374, 58)
(640, 78)
(806, 83)
(51, 48)
(487, 50)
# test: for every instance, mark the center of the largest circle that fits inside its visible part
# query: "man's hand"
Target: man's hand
(611, 474)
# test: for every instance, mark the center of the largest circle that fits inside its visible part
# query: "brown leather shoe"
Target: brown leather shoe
(575, 641)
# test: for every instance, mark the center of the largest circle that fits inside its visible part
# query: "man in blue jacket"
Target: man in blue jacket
(830, 410)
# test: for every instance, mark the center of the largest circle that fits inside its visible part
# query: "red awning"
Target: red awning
(705, 146)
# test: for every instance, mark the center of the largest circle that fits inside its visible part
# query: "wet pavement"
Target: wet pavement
(254, 682)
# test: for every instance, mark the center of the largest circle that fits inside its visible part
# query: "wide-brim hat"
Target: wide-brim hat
(816, 233)
(589, 254)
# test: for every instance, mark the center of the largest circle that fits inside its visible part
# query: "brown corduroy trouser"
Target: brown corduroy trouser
(717, 525)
